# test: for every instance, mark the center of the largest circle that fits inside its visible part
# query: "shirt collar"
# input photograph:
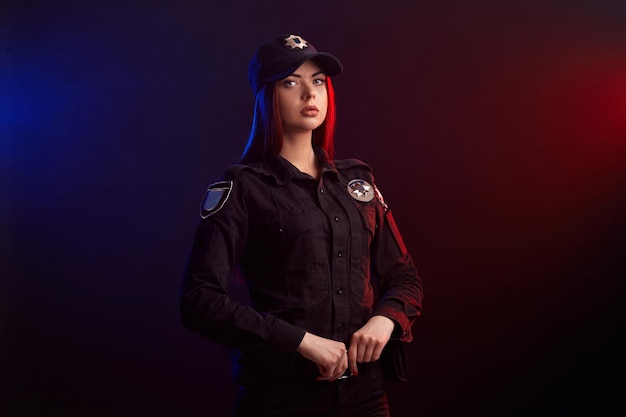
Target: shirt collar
(283, 171)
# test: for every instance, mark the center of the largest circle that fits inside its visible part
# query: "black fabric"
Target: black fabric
(314, 259)
(362, 396)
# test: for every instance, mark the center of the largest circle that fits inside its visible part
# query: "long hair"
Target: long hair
(266, 134)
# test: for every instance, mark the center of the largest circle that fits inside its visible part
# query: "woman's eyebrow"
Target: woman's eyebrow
(312, 75)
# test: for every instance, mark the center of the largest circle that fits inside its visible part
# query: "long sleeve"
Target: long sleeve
(205, 305)
(400, 286)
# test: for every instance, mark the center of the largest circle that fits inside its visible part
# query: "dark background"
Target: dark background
(496, 130)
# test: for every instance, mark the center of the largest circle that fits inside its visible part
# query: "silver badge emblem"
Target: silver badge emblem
(215, 198)
(296, 42)
(360, 190)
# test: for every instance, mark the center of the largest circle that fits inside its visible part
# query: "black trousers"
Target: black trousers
(362, 396)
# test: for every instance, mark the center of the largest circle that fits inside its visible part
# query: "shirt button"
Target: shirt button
(339, 291)
(340, 254)
(336, 218)
(322, 190)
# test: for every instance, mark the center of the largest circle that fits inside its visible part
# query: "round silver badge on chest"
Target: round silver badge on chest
(361, 190)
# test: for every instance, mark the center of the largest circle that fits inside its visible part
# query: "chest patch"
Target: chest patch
(215, 198)
(360, 190)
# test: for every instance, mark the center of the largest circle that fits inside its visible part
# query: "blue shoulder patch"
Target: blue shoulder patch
(215, 198)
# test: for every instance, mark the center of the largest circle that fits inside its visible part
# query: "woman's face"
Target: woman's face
(303, 99)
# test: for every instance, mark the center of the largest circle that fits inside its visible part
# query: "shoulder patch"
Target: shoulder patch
(360, 190)
(215, 198)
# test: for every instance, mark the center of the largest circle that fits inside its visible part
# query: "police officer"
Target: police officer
(333, 291)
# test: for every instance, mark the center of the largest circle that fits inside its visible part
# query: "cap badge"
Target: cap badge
(295, 42)
(360, 190)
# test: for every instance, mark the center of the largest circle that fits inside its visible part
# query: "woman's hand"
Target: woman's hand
(329, 356)
(367, 343)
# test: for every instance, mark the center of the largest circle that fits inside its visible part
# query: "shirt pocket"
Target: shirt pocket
(305, 286)
(368, 216)
(367, 213)
(283, 251)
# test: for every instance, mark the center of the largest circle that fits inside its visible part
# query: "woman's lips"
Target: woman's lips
(310, 111)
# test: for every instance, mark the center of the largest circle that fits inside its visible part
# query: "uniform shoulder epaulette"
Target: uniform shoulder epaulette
(350, 163)
(233, 171)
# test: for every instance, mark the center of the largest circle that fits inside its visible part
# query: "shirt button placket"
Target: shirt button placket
(341, 247)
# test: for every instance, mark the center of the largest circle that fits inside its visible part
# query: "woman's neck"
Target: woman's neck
(298, 150)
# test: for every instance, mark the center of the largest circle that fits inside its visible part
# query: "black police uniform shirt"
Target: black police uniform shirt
(321, 257)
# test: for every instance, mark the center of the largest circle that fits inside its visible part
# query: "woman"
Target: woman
(333, 290)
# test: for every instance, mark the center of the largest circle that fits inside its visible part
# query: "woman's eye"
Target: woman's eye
(319, 81)
(289, 83)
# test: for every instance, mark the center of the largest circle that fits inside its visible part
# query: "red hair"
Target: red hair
(266, 135)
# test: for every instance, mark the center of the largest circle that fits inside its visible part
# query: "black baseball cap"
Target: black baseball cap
(281, 56)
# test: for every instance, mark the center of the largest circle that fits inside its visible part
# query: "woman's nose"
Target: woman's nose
(308, 93)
